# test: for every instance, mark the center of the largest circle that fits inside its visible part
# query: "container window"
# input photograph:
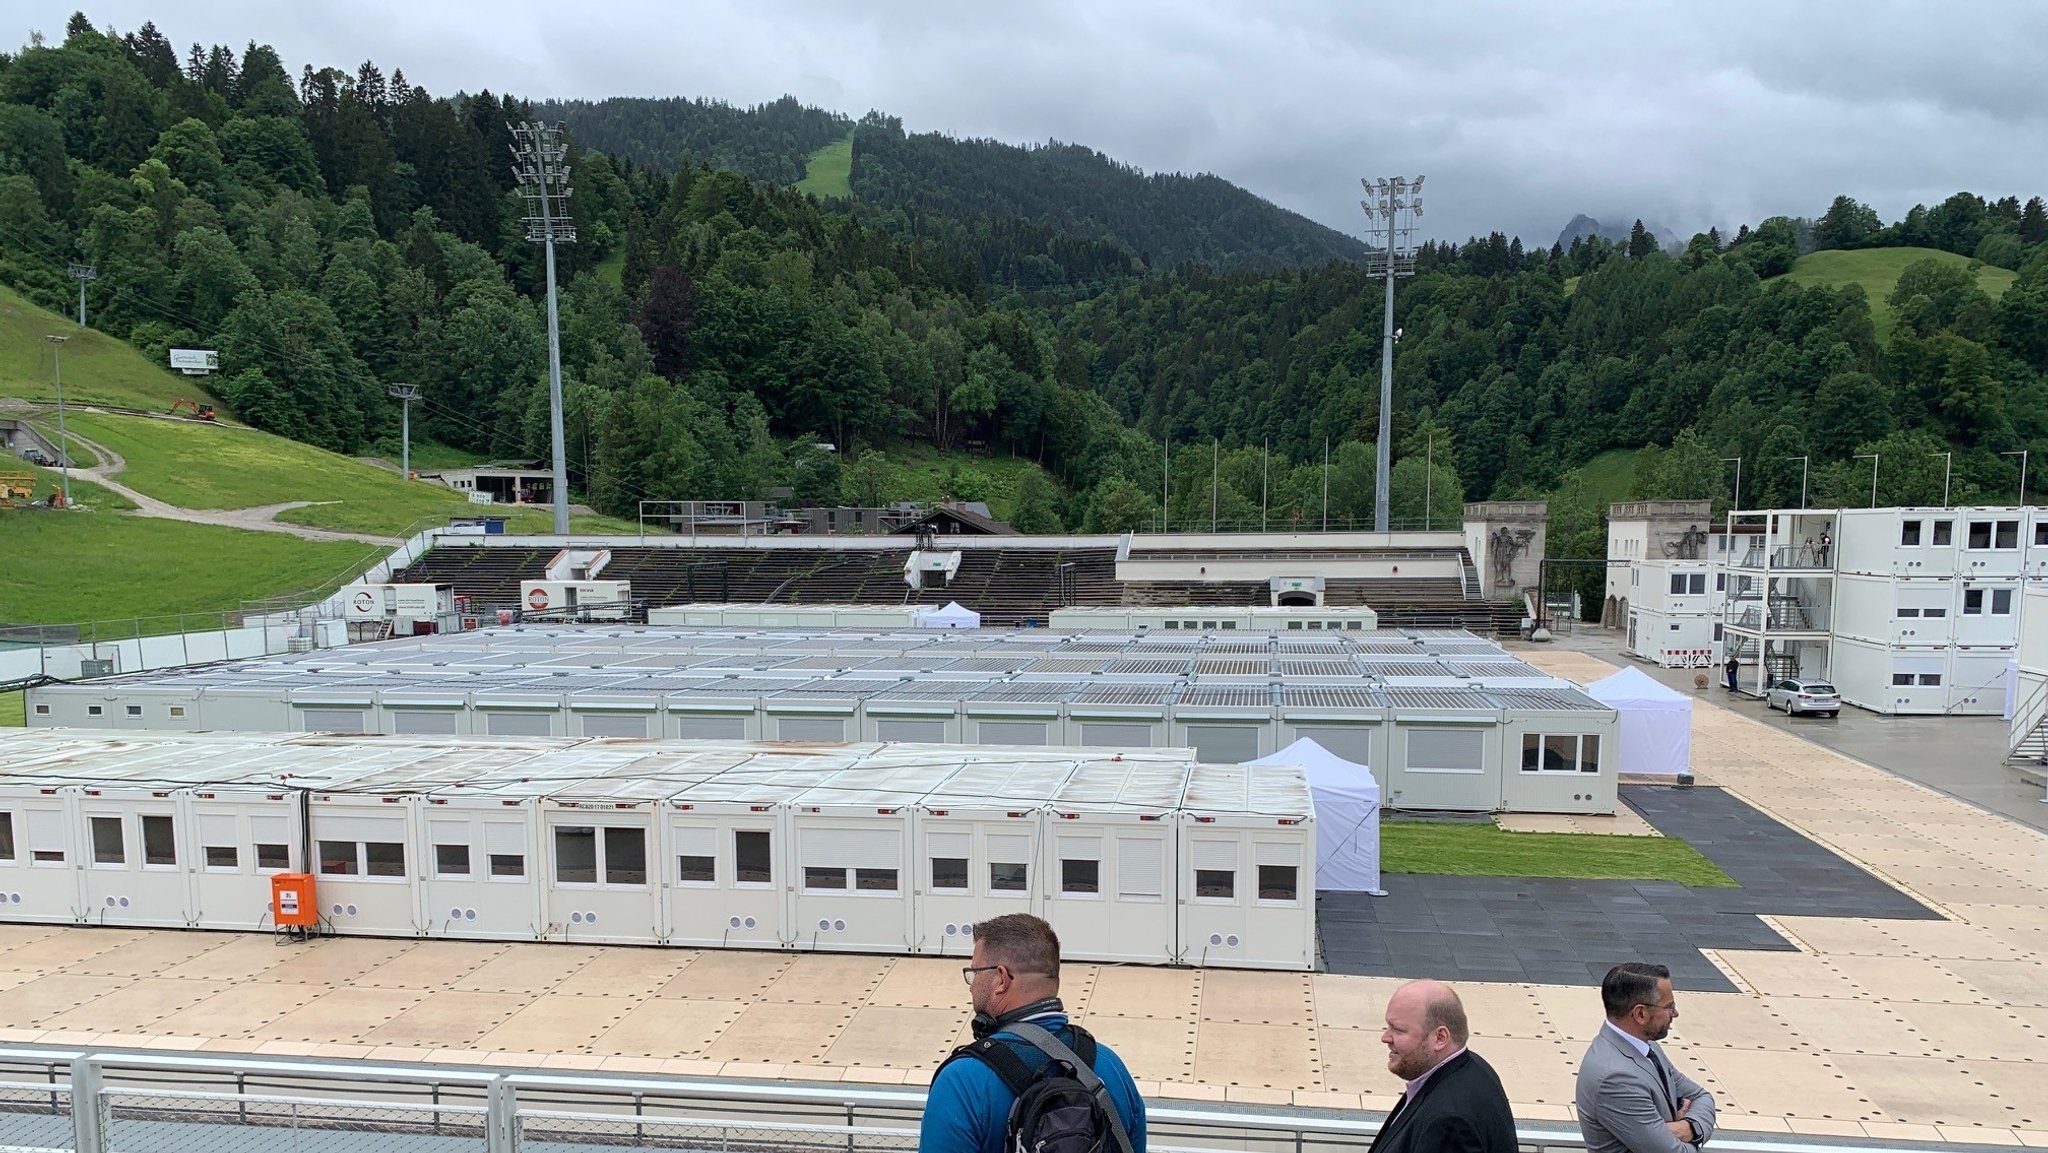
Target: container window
(1220, 884)
(2008, 534)
(752, 864)
(1279, 883)
(508, 865)
(1008, 878)
(275, 858)
(875, 880)
(696, 870)
(384, 858)
(1909, 532)
(625, 856)
(338, 859)
(451, 860)
(106, 842)
(2041, 532)
(1080, 876)
(1930, 680)
(819, 877)
(575, 855)
(177, 711)
(1944, 532)
(1902, 678)
(949, 872)
(223, 857)
(159, 842)
(94, 710)
(134, 710)
(42, 710)
(2001, 602)
(1973, 602)
(6, 836)
(1980, 534)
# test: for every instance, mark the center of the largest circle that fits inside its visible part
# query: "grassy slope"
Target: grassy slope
(97, 368)
(1878, 269)
(829, 172)
(197, 465)
(918, 472)
(13, 710)
(1610, 474)
(96, 566)
(1490, 851)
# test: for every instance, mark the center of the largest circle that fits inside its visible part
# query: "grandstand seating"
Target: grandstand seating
(1008, 586)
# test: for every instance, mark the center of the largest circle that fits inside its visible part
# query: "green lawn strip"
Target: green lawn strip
(104, 567)
(193, 464)
(97, 367)
(1489, 851)
(13, 710)
(1878, 269)
(829, 171)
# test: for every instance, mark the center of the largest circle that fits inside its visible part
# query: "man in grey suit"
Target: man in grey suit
(1630, 1098)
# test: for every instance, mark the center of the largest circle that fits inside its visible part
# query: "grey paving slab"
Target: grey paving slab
(1569, 932)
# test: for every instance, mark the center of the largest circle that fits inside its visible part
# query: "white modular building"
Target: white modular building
(1231, 618)
(1906, 610)
(856, 848)
(774, 616)
(1426, 709)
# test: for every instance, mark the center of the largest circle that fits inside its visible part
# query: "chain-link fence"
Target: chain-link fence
(35, 1117)
(548, 1131)
(166, 1121)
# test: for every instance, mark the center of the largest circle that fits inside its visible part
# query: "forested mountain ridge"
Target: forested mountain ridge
(1163, 219)
(346, 230)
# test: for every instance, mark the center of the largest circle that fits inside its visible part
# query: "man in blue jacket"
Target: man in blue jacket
(1014, 978)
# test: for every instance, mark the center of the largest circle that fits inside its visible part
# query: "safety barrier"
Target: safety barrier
(99, 1102)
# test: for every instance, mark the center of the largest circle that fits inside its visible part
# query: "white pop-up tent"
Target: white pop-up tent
(1347, 802)
(1655, 732)
(952, 616)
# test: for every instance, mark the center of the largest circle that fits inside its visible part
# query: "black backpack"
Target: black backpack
(1061, 1106)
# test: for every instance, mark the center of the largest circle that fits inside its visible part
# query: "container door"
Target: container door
(364, 872)
(37, 881)
(134, 875)
(852, 884)
(727, 886)
(603, 888)
(234, 856)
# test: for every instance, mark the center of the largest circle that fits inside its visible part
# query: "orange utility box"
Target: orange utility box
(291, 901)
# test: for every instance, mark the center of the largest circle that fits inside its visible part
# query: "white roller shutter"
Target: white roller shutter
(359, 828)
(851, 849)
(696, 841)
(448, 832)
(1140, 868)
(1224, 744)
(45, 830)
(1216, 855)
(1352, 742)
(270, 830)
(504, 837)
(1447, 750)
(1007, 849)
(217, 830)
(1080, 848)
(956, 845)
(1277, 853)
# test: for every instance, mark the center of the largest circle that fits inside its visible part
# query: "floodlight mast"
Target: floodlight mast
(540, 163)
(1395, 203)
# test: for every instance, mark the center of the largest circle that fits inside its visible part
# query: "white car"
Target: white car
(1798, 695)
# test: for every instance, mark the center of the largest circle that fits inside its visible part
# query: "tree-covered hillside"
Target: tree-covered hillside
(338, 232)
(969, 187)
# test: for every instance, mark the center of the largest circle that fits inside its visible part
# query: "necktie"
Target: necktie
(1663, 1075)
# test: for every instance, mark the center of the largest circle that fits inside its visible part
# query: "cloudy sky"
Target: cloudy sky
(1521, 113)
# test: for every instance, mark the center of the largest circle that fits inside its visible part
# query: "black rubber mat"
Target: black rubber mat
(1564, 932)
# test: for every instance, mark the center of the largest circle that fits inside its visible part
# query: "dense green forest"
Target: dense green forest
(342, 230)
(930, 181)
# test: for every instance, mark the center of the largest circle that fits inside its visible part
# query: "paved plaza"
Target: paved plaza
(1921, 1017)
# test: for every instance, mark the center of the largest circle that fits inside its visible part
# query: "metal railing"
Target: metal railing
(249, 1104)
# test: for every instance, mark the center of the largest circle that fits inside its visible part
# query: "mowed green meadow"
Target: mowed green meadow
(73, 567)
(1877, 271)
(829, 171)
(196, 465)
(98, 369)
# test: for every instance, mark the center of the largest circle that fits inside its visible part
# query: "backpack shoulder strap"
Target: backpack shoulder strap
(1084, 1072)
(1015, 1074)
